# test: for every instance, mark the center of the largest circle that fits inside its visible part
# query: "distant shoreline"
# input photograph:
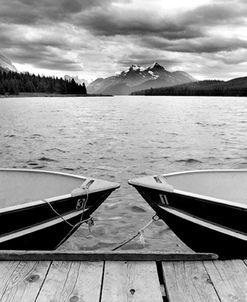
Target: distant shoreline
(57, 95)
(39, 94)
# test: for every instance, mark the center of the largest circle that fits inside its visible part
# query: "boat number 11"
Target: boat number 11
(163, 199)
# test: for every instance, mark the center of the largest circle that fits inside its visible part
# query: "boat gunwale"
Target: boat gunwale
(158, 186)
(112, 186)
(204, 223)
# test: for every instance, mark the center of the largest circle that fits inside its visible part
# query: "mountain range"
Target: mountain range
(138, 78)
(6, 64)
(153, 80)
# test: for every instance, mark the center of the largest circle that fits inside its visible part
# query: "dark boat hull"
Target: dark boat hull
(201, 224)
(40, 228)
(47, 238)
(201, 238)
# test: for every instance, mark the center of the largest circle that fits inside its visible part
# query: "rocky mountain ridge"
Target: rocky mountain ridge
(138, 78)
(6, 64)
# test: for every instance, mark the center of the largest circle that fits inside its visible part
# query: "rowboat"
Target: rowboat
(206, 209)
(39, 210)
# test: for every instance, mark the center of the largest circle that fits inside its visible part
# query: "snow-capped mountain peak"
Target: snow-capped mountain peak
(138, 78)
(156, 67)
(134, 67)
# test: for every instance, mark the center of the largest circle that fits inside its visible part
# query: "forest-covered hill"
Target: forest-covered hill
(14, 83)
(234, 87)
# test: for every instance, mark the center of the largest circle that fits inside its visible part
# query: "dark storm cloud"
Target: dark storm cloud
(209, 45)
(45, 51)
(101, 18)
(190, 24)
(54, 34)
(42, 57)
(111, 22)
(31, 30)
(31, 12)
(203, 45)
(187, 32)
(216, 14)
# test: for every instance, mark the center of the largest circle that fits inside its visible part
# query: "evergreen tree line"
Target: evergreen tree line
(14, 83)
(236, 87)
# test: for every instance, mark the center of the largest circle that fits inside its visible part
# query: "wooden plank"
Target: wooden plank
(102, 256)
(6, 271)
(187, 282)
(229, 279)
(21, 281)
(131, 281)
(72, 281)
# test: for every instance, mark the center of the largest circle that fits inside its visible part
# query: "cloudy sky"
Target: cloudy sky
(97, 38)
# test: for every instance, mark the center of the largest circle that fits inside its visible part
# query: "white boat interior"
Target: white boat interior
(19, 186)
(230, 185)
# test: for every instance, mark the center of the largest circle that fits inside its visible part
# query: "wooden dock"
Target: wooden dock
(120, 277)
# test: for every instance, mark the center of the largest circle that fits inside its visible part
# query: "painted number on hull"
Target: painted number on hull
(163, 199)
(80, 203)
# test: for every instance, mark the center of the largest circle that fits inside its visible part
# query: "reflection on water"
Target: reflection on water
(119, 138)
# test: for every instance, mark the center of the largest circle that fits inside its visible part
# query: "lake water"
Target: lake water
(118, 138)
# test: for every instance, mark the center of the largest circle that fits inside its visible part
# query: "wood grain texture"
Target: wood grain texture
(21, 281)
(131, 281)
(229, 279)
(188, 282)
(123, 281)
(102, 256)
(72, 282)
